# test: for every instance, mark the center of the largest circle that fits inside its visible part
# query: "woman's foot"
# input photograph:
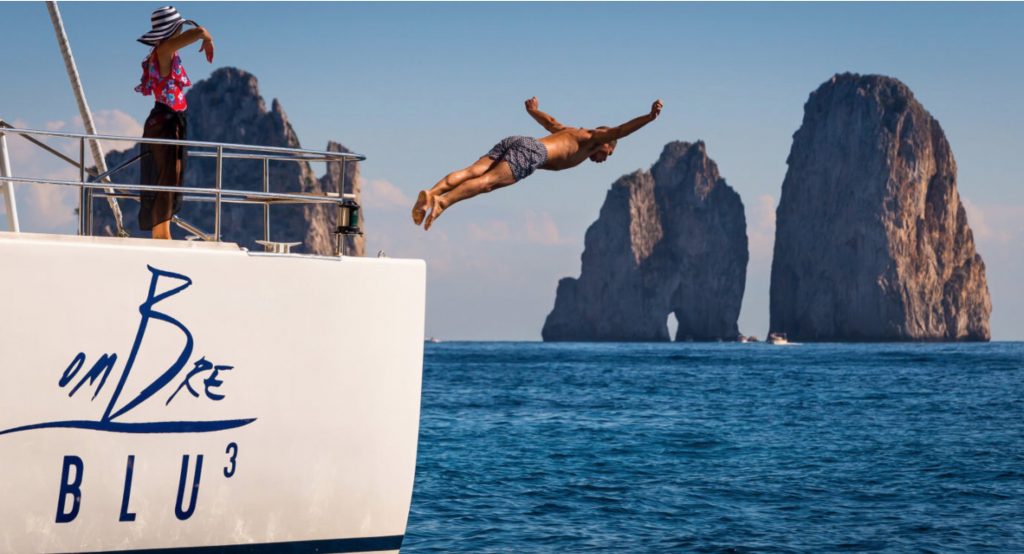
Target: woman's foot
(437, 206)
(419, 210)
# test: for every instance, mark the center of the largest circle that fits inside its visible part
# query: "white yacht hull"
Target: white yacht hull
(124, 362)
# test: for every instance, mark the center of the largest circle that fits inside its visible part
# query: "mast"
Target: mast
(83, 110)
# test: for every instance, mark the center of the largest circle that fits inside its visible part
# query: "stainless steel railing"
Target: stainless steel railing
(348, 209)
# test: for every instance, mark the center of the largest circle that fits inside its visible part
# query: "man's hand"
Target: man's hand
(532, 104)
(656, 109)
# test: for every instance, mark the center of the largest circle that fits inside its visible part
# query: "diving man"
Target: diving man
(515, 158)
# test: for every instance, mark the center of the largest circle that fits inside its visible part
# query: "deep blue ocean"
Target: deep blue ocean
(532, 447)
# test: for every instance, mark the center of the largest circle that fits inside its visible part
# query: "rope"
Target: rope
(83, 109)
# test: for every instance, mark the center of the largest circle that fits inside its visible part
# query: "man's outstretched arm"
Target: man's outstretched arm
(614, 133)
(545, 120)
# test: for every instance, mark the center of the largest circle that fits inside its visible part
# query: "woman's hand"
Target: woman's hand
(207, 47)
(532, 104)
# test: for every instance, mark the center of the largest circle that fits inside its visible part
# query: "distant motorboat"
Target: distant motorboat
(777, 338)
(432, 340)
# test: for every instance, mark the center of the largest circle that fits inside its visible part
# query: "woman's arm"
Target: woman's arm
(166, 49)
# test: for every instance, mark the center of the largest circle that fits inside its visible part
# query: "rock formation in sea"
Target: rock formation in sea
(322, 218)
(669, 240)
(872, 241)
(227, 107)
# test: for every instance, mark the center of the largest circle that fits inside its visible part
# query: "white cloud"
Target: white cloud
(976, 219)
(51, 208)
(112, 122)
(494, 230)
(536, 228)
(761, 227)
(996, 223)
(541, 229)
(401, 239)
(379, 194)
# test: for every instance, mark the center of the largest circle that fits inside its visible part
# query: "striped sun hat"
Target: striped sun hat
(166, 21)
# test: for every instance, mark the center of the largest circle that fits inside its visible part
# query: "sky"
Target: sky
(422, 89)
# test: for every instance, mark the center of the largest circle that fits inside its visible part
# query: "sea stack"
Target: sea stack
(227, 107)
(872, 241)
(669, 240)
(322, 218)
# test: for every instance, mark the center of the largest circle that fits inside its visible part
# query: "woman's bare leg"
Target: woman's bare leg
(499, 176)
(450, 181)
(162, 230)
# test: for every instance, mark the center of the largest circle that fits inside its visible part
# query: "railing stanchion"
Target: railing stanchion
(88, 199)
(88, 211)
(82, 229)
(266, 205)
(341, 187)
(216, 215)
(7, 189)
(341, 193)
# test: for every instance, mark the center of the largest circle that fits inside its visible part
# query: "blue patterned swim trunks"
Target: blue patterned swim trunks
(523, 154)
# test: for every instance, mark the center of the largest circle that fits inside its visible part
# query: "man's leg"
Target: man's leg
(499, 176)
(450, 181)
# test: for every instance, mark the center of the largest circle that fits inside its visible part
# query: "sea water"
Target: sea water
(532, 447)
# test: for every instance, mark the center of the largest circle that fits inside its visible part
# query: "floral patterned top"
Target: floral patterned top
(169, 90)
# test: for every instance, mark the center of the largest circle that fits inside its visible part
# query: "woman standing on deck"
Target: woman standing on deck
(165, 79)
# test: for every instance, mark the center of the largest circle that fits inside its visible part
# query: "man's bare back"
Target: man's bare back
(515, 158)
(567, 148)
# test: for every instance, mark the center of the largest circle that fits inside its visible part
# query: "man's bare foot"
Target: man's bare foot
(438, 205)
(419, 210)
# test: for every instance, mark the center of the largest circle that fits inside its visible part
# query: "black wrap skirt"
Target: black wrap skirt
(161, 164)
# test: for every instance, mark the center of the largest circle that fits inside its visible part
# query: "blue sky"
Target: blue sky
(425, 88)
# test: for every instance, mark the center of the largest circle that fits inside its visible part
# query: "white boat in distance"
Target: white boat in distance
(777, 338)
(192, 396)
